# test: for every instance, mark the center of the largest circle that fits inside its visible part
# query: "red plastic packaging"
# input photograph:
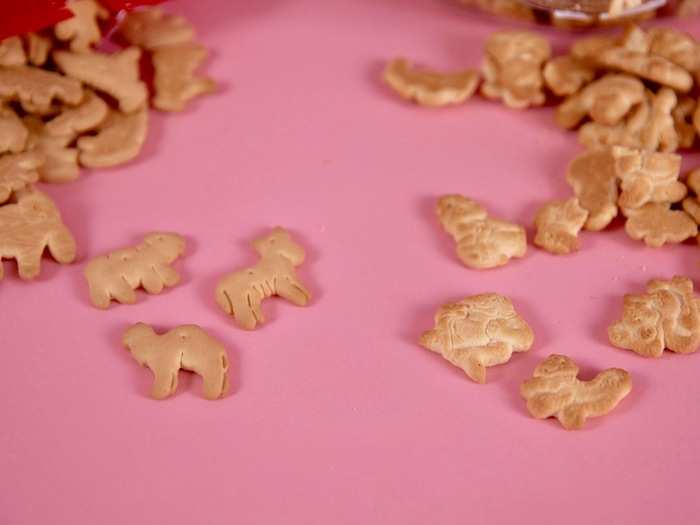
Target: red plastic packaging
(22, 16)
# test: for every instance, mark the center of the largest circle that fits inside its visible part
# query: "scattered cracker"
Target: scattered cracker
(116, 74)
(651, 67)
(429, 87)
(558, 224)
(119, 140)
(147, 265)
(36, 89)
(676, 46)
(17, 172)
(566, 75)
(28, 227)
(175, 81)
(667, 316)
(478, 332)
(482, 241)
(13, 134)
(153, 28)
(592, 176)
(82, 29)
(60, 160)
(186, 347)
(626, 133)
(656, 224)
(555, 391)
(91, 112)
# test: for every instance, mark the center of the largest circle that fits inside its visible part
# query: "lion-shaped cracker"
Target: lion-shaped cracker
(174, 78)
(36, 89)
(17, 172)
(566, 75)
(119, 140)
(558, 224)
(147, 265)
(82, 29)
(12, 52)
(656, 224)
(478, 332)
(429, 87)
(482, 241)
(73, 121)
(555, 391)
(667, 316)
(186, 347)
(38, 48)
(647, 176)
(13, 134)
(116, 74)
(683, 121)
(152, 28)
(592, 176)
(30, 225)
(241, 293)
(650, 67)
(606, 100)
(60, 160)
(512, 68)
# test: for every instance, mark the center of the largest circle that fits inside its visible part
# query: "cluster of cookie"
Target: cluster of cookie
(629, 97)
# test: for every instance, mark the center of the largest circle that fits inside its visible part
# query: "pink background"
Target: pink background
(337, 415)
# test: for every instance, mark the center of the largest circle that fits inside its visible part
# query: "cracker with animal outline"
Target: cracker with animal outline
(667, 316)
(29, 226)
(482, 241)
(174, 80)
(241, 293)
(118, 274)
(117, 74)
(119, 139)
(558, 224)
(187, 347)
(17, 172)
(656, 224)
(60, 160)
(430, 87)
(152, 28)
(73, 121)
(650, 67)
(566, 75)
(13, 134)
(478, 332)
(592, 175)
(36, 89)
(554, 390)
(82, 30)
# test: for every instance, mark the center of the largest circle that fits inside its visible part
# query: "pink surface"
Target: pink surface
(336, 415)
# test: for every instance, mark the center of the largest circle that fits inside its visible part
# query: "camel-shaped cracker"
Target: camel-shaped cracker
(240, 294)
(187, 347)
(477, 332)
(117, 274)
(667, 316)
(28, 227)
(555, 391)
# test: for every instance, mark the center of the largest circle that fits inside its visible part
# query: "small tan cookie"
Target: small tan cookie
(482, 242)
(75, 120)
(36, 88)
(667, 316)
(116, 74)
(82, 29)
(566, 75)
(683, 121)
(606, 100)
(13, 134)
(558, 224)
(478, 332)
(241, 293)
(119, 140)
(147, 265)
(17, 172)
(626, 133)
(592, 176)
(152, 28)
(174, 76)
(429, 87)
(512, 68)
(656, 224)
(60, 161)
(38, 48)
(555, 391)
(186, 347)
(651, 67)
(28, 227)
(647, 176)
(12, 52)
(676, 46)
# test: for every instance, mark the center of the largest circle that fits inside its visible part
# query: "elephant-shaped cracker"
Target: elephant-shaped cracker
(482, 241)
(667, 316)
(478, 332)
(186, 347)
(241, 293)
(30, 225)
(555, 391)
(558, 224)
(147, 265)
